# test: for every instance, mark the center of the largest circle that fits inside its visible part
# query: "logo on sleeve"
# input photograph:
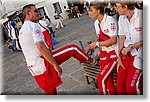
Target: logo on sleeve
(37, 31)
(113, 27)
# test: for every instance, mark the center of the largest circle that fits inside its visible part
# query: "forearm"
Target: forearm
(108, 43)
(137, 44)
(121, 42)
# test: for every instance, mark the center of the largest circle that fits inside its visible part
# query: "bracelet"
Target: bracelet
(97, 44)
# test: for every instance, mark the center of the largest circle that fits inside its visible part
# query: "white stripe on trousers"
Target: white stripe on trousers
(69, 49)
(137, 84)
(103, 85)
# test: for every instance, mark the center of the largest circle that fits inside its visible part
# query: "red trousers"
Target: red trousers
(105, 77)
(130, 79)
(47, 38)
(49, 80)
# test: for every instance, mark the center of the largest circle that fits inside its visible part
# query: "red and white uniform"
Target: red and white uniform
(44, 72)
(129, 81)
(46, 34)
(108, 57)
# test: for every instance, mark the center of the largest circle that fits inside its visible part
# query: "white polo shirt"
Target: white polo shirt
(108, 27)
(133, 31)
(29, 34)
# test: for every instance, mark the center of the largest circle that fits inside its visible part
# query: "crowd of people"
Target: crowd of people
(119, 39)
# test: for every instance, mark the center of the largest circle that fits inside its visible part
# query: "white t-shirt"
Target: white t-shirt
(43, 23)
(49, 24)
(108, 27)
(133, 31)
(29, 34)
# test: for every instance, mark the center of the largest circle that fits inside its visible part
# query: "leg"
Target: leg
(134, 81)
(14, 44)
(51, 92)
(57, 24)
(104, 74)
(122, 75)
(61, 24)
(110, 85)
(65, 53)
(52, 32)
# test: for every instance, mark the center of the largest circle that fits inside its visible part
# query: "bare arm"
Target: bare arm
(121, 42)
(109, 42)
(137, 44)
(130, 47)
(48, 56)
(106, 43)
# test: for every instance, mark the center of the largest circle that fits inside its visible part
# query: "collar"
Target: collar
(104, 19)
(136, 13)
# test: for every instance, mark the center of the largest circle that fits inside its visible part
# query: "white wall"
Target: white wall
(49, 9)
(14, 5)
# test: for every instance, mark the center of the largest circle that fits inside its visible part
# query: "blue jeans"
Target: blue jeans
(14, 43)
(52, 32)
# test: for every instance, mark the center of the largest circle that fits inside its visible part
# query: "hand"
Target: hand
(58, 69)
(126, 50)
(119, 64)
(92, 45)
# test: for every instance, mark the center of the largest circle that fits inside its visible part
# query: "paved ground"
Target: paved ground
(18, 80)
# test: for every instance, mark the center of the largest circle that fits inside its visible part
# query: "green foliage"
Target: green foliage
(69, 13)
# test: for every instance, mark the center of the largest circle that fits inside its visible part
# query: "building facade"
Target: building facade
(9, 7)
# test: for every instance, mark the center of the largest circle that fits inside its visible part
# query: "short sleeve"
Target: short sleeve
(37, 33)
(97, 29)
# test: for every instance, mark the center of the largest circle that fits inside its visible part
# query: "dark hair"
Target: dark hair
(130, 4)
(98, 6)
(26, 9)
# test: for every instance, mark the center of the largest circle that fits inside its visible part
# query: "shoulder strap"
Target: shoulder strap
(42, 26)
(102, 36)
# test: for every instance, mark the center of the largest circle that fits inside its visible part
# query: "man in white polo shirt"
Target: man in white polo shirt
(129, 78)
(106, 30)
(41, 62)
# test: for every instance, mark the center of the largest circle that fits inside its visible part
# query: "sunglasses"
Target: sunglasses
(36, 11)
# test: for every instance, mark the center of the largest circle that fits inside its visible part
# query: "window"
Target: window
(41, 11)
(57, 7)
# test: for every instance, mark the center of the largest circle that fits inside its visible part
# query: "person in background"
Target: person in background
(46, 32)
(50, 27)
(58, 20)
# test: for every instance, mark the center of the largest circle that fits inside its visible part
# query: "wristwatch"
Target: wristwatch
(97, 44)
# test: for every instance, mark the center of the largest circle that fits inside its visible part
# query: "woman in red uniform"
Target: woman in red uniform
(129, 78)
(106, 30)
